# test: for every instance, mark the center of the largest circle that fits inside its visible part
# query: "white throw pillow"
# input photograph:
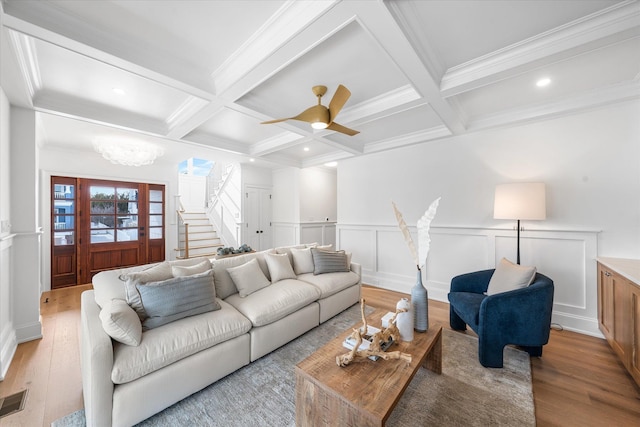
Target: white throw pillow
(279, 267)
(248, 277)
(302, 260)
(179, 271)
(509, 276)
(121, 322)
(156, 273)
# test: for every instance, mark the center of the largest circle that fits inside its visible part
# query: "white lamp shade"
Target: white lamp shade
(523, 200)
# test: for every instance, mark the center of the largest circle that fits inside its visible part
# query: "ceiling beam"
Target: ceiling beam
(614, 24)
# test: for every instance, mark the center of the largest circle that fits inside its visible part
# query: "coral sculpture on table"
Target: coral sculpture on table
(377, 339)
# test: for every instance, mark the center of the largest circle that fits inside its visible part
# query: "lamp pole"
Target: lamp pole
(518, 244)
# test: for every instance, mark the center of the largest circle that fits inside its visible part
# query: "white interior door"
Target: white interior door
(258, 217)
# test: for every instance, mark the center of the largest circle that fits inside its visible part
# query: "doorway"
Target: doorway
(99, 225)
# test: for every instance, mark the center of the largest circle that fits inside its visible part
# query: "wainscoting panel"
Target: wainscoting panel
(285, 233)
(567, 257)
(8, 340)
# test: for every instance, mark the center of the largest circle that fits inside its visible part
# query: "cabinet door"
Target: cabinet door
(258, 218)
(621, 342)
(605, 302)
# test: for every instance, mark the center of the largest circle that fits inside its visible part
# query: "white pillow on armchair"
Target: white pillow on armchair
(509, 276)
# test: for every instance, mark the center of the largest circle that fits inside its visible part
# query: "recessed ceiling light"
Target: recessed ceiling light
(306, 148)
(331, 164)
(118, 91)
(543, 82)
(252, 159)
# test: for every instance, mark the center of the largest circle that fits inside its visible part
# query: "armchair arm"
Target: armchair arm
(96, 362)
(356, 268)
(521, 316)
(476, 282)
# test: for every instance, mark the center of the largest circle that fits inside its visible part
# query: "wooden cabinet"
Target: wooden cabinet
(619, 311)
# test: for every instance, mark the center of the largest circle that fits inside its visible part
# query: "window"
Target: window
(114, 214)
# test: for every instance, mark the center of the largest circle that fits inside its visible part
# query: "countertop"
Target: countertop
(628, 268)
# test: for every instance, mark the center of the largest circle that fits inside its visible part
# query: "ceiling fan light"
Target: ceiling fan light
(319, 125)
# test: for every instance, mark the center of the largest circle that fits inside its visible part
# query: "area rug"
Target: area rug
(263, 393)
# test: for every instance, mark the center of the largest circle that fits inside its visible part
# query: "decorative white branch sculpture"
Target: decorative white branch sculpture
(424, 241)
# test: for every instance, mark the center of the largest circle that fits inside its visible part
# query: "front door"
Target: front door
(117, 224)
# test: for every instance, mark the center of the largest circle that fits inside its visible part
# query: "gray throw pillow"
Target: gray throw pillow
(329, 261)
(177, 298)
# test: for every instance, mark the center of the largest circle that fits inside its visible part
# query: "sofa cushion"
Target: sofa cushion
(121, 322)
(302, 260)
(174, 341)
(182, 271)
(509, 276)
(157, 273)
(109, 284)
(279, 267)
(223, 281)
(275, 301)
(287, 250)
(331, 283)
(325, 261)
(177, 298)
(467, 306)
(248, 277)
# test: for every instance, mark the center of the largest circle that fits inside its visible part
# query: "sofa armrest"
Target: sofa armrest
(476, 282)
(523, 316)
(357, 268)
(96, 362)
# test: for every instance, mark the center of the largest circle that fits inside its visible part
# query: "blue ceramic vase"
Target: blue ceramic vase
(419, 302)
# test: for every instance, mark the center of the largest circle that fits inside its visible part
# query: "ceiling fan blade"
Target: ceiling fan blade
(337, 102)
(317, 113)
(275, 121)
(342, 129)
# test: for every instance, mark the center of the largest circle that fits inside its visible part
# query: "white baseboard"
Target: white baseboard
(29, 332)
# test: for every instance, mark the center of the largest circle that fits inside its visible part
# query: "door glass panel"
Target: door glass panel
(102, 208)
(102, 193)
(63, 222)
(128, 221)
(63, 238)
(102, 236)
(63, 206)
(102, 221)
(155, 220)
(62, 191)
(155, 233)
(127, 235)
(130, 194)
(155, 208)
(155, 196)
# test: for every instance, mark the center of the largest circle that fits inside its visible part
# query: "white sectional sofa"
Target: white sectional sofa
(124, 384)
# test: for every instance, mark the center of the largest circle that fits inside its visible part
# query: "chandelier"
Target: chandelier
(128, 153)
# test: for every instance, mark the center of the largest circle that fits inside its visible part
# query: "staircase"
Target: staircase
(197, 237)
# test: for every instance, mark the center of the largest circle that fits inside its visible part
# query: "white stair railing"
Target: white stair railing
(222, 210)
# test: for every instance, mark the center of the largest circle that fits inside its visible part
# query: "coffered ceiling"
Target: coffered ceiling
(208, 72)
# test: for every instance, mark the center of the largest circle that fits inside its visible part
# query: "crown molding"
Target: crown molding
(209, 141)
(24, 48)
(288, 21)
(408, 139)
(275, 143)
(335, 156)
(608, 26)
(185, 111)
(378, 105)
(560, 108)
(405, 13)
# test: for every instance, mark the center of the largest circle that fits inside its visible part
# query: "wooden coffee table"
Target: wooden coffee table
(362, 393)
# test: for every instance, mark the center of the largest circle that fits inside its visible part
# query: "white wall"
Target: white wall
(318, 195)
(8, 341)
(303, 199)
(26, 265)
(590, 163)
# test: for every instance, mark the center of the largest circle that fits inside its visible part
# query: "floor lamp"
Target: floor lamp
(522, 200)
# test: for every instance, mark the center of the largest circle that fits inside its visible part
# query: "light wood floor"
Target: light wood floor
(577, 382)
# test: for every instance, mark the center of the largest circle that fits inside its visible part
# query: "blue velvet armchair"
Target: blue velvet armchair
(521, 317)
